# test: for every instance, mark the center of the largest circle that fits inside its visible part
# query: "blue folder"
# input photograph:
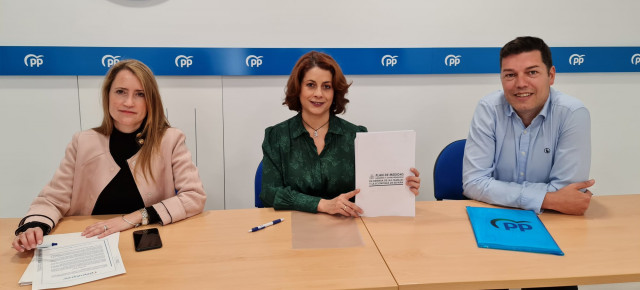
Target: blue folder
(511, 229)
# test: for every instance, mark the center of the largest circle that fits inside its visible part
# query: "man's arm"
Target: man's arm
(570, 199)
(571, 164)
(570, 172)
(479, 166)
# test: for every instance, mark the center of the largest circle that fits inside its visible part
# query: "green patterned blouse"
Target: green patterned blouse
(294, 176)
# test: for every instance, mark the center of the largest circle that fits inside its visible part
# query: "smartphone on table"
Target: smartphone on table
(147, 239)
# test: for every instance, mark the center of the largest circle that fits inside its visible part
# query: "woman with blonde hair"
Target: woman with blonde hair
(134, 164)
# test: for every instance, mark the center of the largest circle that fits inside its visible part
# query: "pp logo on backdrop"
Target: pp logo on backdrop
(508, 224)
(389, 60)
(452, 60)
(576, 59)
(183, 61)
(109, 60)
(253, 61)
(32, 60)
(635, 59)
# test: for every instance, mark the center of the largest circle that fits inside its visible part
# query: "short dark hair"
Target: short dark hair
(338, 81)
(526, 44)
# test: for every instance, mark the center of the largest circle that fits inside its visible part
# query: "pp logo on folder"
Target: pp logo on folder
(508, 224)
(511, 229)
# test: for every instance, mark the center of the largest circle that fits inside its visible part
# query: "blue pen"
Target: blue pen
(47, 245)
(266, 225)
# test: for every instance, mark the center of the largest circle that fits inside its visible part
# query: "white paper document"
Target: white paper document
(74, 260)
(383, 162)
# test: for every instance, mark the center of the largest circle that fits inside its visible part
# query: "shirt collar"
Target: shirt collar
(545, 109)
(547, 105)
(335, 126)
(297, 128)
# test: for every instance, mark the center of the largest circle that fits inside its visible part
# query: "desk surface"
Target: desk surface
(213, 250)
(434, 250)
(437, 248)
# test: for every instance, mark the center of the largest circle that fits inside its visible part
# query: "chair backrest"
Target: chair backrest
(258, 185)
(447, 172)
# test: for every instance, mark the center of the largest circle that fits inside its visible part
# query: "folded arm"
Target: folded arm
(571, 164)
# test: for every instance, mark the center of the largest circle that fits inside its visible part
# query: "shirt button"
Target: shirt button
(521, 173)
(523, 153)
(524, 132)
(149, 194)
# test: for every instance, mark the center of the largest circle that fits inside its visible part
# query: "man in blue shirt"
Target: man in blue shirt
(529, 146)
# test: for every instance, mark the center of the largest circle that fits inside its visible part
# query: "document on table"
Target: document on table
(383, 162)
(511, 229)
(75, 260)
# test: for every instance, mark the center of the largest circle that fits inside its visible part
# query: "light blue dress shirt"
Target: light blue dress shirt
(510, 165)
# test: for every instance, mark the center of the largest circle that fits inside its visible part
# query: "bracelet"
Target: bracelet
(145, 216)
(134, 225)
(25, 218)
(46, 229)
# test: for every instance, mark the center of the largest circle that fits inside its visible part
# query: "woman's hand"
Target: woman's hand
(414, 181)
(341, 205)
(28, 240)
(114, 225)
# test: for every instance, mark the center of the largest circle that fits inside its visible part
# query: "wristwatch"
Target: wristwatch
(145, 216)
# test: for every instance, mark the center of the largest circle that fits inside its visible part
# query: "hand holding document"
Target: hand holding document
(73, 260)
(383, 162)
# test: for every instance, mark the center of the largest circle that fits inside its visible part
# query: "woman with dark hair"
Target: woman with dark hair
(309, 160)
(134, 165)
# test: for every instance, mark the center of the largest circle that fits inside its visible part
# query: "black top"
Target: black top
(121, 195)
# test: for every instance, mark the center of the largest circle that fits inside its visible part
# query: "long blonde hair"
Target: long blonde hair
(156, 121)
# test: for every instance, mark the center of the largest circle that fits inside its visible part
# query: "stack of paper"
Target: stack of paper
(74, 260)
(383, 163)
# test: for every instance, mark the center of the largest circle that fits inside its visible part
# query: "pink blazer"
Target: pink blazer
(88, 167)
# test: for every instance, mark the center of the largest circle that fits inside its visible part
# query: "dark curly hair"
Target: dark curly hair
(324, 61)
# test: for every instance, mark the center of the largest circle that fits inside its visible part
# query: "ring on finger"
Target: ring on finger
(105, 228)
(345, 207)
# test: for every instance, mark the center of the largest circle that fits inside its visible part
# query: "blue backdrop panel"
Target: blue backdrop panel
(59, 60)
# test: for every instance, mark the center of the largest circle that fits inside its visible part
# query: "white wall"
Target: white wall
(329, 23)
(225, 117)
(38, 116)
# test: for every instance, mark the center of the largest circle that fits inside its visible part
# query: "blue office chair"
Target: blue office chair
(447, 172)
(258, 186)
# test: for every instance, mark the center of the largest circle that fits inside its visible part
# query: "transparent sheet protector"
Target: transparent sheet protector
(318, 231)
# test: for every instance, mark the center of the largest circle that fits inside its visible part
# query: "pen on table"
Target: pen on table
(266, 225)
(46, 245)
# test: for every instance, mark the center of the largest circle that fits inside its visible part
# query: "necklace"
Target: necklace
(315, 131)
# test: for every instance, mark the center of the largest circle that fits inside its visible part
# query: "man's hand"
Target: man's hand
(570, 199)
